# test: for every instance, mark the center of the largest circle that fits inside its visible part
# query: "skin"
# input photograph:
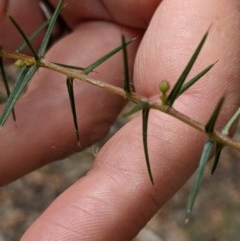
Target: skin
(116, 199)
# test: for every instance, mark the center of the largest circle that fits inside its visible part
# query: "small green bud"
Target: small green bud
(23, 62)
(20, 63)
(164, 86)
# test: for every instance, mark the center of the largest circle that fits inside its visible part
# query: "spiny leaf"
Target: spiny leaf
(24, 37)
(177, 87)
(195, 79)
(69, 83)
(105, 57)
(33, 35)
(199, 176)
(219, 148)
(127, 86)
(225, 130)
(211, 123)
(4, 77)
(137, 107)
(69, 66)
(23, 79)
(144, 106)
(51, 25)
(145, 115)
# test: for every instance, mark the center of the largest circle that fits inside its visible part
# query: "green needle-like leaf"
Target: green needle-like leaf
(219, 148)
(144, 106)
(105, 57)
(69, 66)
(24, 37)
(225, 130)
(127, 86)
(145, 114)
(4, 77)
(199, 176)
(33, 35)
(51, 25)
(23, 79)
(211, 123)
(73, 106)
(177, 87)
(195, 79)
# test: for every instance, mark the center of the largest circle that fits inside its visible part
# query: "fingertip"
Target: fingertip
(172, 37)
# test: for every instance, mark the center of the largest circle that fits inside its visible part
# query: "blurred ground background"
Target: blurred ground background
(216, 215)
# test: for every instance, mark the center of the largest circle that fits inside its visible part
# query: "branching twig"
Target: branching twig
(134, 97)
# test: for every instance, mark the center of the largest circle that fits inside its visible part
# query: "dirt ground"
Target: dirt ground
(216, 215)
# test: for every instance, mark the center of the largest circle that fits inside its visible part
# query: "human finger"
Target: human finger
(21, 11)
(116, 199)
(44, 130)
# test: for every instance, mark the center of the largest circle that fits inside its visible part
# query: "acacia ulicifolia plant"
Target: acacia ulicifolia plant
(30, 64)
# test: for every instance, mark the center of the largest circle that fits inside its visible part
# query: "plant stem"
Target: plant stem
(134, 97)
